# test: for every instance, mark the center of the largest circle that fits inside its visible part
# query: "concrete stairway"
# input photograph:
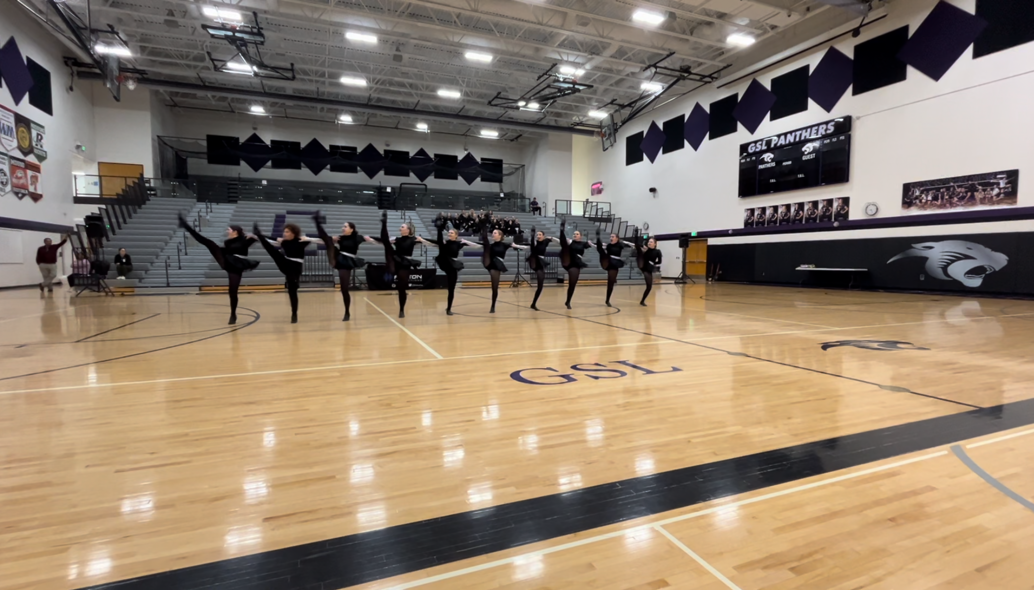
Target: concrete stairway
(144, 237)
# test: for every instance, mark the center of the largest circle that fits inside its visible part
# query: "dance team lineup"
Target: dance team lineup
(288, 253)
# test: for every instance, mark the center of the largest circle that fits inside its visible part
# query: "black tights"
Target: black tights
(540, 279)
(452, 276)
(648, 277)
(572, 274)
(612, 279)
(495, 274)
(401, 274)
(612, 271)
(345, 276)
(291, 270)
(217, 253)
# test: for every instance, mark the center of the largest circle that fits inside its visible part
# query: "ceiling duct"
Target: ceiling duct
(859, 7)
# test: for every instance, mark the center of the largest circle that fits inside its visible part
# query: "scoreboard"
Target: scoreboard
(803, 158)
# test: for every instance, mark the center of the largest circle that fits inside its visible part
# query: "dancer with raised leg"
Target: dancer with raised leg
(571, 259)
(398, 257)
(342, 251)
(289, 259)
(232, 257)
(537, 262)
(648, 258)
(493, 258)
(610, 259)
(448, 258)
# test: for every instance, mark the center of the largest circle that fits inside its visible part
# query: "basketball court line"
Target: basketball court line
(663, 522)
(999, 439)
(990, 479)
(327, 368)
(403, 328)
(714, 572)
(765, 360)
(255, 319)
(117, 328)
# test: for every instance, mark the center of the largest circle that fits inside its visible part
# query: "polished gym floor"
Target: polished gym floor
(725, 437)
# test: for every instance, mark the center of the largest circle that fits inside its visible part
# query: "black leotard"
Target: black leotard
(497, 253)
(651, 260)
(578, 248)
(538, 253)
(350, 244)
(235, 252)
(448, 250)
(294, 248)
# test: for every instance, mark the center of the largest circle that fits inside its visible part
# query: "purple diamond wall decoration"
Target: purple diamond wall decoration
(255, 152)
(422, 165)
(468, 169)
(831, 79)
(315, 157)
(653, 141)
(16, 74)
(754, 106)
(370, 161)
(697, 124)
(941, 40)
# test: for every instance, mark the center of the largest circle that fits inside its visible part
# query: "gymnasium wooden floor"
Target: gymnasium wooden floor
(725, 437)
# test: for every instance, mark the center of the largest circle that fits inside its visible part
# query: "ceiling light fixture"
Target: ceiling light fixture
(119, 50)
(353, 81)
(648, 17)
(652, 86)
(421, 126)
(740, 40)
(258, 109)
(478, 56)
(521, 103)
(344, 118)
(221, 14)
(239, 67)
(571, 71)
(447, 93)
(490, 133)
(598, 114)
(360, 37)
(534, 106)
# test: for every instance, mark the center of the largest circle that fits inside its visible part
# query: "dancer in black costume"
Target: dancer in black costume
(398, 257)
(231, 257)
(537, 262)
(448, 258)
(493, 257)
(648, 259)
(610, 259)
(343, 256)
(571, 259)
(290, 259)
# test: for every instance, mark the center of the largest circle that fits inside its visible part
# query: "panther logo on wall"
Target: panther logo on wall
(768, 157)
(873, 345)
(965, 262)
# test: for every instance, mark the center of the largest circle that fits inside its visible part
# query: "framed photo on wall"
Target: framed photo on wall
(826, 210)
(811, 212)
(797, 213)
(842, 209)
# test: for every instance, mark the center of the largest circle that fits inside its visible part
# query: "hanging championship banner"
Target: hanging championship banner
(39, 140)
(5, 175)
(8, 138)
(23, 129)
(35, 181)
(19, 178)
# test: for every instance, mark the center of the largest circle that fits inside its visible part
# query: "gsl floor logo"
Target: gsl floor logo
(591, 371)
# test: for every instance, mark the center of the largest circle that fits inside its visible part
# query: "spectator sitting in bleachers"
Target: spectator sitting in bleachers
(536, 209)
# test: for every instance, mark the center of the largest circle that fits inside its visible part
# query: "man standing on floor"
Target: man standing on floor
(46, 259)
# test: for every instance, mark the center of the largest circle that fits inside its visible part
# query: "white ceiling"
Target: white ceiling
(420, 49)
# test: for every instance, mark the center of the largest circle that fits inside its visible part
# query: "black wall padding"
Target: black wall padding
(491, 170)
(876, 63)
(674, 134)
(40, 93)
(286, 154)
(222, 150)
(722, 120)
(633, 151)
(398, 163)
(445, 167)
(346, 153)
(1010, 23)
(791, 92)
